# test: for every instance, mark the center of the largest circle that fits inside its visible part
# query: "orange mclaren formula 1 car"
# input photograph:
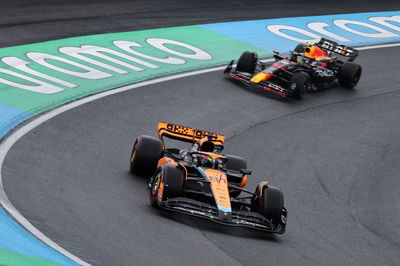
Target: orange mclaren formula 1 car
(308, 68)
(202, 182)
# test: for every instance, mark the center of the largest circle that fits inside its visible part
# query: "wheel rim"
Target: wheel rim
(303, 90)
(155, 187)
(133, 155)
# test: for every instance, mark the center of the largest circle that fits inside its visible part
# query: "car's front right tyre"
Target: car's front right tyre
(269, 202)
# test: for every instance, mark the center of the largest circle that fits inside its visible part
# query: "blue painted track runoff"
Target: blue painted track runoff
(358, 29)
(14, 238)
(11, 117)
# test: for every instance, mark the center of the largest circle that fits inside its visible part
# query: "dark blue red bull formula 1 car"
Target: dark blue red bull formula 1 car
(308, 68)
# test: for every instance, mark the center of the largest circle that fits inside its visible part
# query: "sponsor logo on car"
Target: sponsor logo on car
(324, 73)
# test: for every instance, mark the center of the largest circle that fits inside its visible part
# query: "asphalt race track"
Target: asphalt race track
(335, 154)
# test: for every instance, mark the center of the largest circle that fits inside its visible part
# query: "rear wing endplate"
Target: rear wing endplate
(187, 134)
(336, 48)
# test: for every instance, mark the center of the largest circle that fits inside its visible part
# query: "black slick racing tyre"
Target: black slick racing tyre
(298, 84)
(349, 75)
(167, 183)
(270, 202)
(235, 163)
(145, 155)
(247, 62)
(300, 48)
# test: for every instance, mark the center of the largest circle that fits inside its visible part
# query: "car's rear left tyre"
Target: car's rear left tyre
(235, 163)
(247, 62)
(349, 75)
(167, 183)
(145, 155)
(298, 84)
(269, 202)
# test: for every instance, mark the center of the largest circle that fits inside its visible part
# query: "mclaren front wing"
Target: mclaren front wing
(247, 219)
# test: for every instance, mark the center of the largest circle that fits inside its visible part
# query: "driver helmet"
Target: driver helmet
(206, 145)
(314, 51)
(300, 59)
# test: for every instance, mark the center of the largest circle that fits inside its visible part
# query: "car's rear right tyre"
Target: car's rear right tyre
(247, 62)
(235, 163)
(145, 155)
(349, 75)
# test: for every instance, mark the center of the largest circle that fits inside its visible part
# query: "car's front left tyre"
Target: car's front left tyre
(167, 183)
(247, 62)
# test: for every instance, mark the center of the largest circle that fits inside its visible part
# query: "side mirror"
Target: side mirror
(245, 171)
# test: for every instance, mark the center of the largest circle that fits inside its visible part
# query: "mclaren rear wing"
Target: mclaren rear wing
(188, 134)
(336, 48)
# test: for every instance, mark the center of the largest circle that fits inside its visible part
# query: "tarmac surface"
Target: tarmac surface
(335, 154)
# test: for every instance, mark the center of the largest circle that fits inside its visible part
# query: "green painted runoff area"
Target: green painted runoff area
(221, 48)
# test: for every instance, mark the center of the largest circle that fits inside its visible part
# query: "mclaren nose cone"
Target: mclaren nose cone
(225, 216)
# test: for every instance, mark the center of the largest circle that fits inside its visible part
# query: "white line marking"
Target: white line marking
(378, 46)
(9, 141)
